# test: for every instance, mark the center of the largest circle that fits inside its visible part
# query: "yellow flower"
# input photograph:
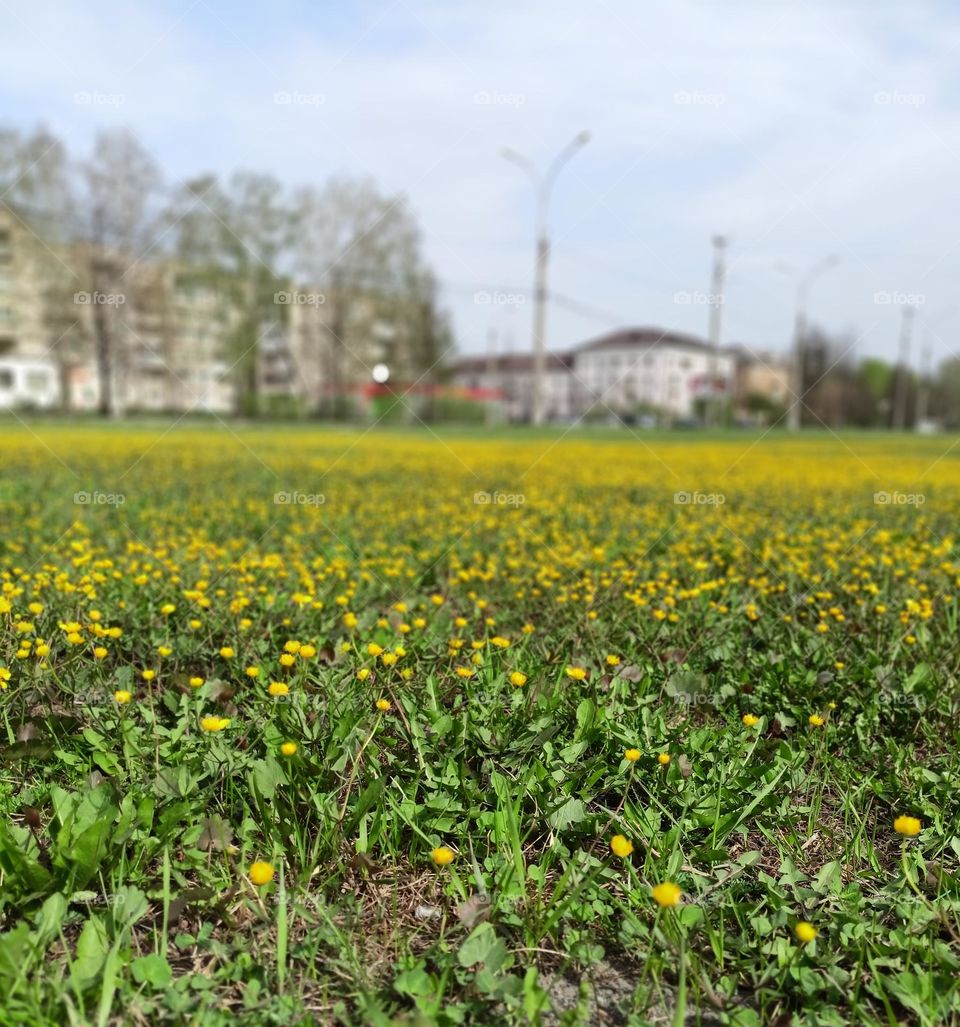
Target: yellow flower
(167, 609)
(287, 659)
(750, 720)
(363, 673)
(621, 846)
(613, 661)
(261, 873)
(291, 646)
(805, 932)
(43, 649)
(227, 652)
(122, 696)
(196, 682)
(465, 672)
(500, 642)
(663, 759)
(907, 826)
(374, 650)
(99, 652)
(252, 672)
(164, 650)
(149, 675)
(306, 651)
(577, 673)
(289, 748)
(214, 723)
(276, 688)
(632, 755)
(666, 894)
(815, 720)
(4, 677)
(383, 705)
(442, 856)
(518, 679)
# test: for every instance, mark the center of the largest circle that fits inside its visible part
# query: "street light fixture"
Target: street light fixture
(543, 183)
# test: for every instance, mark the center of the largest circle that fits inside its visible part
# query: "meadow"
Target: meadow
(313, 726)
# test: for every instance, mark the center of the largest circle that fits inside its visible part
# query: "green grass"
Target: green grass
(127, 831)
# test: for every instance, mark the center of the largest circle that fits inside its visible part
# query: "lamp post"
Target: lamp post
(804, 284)
(543, 183)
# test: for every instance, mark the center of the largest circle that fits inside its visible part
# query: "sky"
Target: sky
(799, 130)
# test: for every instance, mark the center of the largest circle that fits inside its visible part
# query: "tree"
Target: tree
(122, 182)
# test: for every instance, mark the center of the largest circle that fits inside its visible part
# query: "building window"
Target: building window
(6, 379)
(37, 381)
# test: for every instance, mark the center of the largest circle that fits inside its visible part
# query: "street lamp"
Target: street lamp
(543, 183)
(804, 283)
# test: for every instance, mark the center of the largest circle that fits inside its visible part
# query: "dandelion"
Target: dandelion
(621, 846)
(100, 653)
(196, 682)
(227, 652)
(442, 856)
(750, 720)
(664, 759)
(164, 650)
(500, 642)
(261, 873)
(909, 827)
(214, 723)
(122, 696)
(815, 720)
(252, 672)
(363, 673)
(518, 679)
(307, 651)
(287, 659)
(148, 675)
(805, 932)
(632, 755)
(289, 749)
(278, 688)
(4, 677)
(167, 609)
(666, 894)
(383, 705)
(613, 661)
(576, 673)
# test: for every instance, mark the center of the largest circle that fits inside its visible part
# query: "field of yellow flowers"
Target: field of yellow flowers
(315, 726)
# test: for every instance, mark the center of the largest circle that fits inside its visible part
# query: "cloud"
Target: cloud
(798, 129)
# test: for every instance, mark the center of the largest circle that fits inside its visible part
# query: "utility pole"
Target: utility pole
(713, 326)
(903, 371)
(923, 389)
(492, 336)
(543, 183)
(804, 284)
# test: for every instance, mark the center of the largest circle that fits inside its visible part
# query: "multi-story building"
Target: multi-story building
(625, 374)
(509, 377)
(762, 384)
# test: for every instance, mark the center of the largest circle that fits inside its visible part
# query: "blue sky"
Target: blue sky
(800, 129)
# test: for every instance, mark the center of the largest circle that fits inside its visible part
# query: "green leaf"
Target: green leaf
(483, 946)
(570, 813)
(152, 969)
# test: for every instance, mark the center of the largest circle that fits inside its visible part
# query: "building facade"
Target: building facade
(628, 375)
